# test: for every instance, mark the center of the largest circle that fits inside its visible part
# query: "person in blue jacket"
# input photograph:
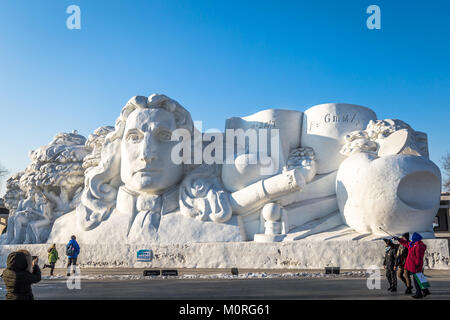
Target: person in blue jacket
(72, 251)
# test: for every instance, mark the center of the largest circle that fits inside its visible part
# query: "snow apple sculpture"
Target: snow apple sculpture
(388, 184)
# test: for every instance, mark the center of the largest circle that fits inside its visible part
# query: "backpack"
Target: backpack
(70, 251)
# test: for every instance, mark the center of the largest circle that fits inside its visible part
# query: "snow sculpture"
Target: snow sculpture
(202, 195)
(262, 167)
(397, 193)
(33, 214)
(305, 160)
(137, 193)
(269, 152)
(388, 182)
(56, 169)
(324, 127)
(94, 144)
(131, 193)
(386, 137)
(331, 172)
(12, 198)
(52, 183)
(13, 193)
(131, 161)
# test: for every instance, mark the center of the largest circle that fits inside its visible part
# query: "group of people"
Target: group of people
(22, 269)
(72, 252)
(405, 259)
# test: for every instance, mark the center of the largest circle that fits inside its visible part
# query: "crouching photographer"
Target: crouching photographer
(21, 272)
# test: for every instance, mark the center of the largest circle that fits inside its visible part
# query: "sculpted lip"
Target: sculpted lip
(148, 171)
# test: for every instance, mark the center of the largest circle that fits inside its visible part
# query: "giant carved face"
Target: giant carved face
(146, 165)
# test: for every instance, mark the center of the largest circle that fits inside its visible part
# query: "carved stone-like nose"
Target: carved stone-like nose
(148, 148)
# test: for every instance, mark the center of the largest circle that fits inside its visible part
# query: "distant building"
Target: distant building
(3, 216)
(442, 219)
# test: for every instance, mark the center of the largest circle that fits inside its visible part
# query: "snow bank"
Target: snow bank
(226, 276)
(301, 254)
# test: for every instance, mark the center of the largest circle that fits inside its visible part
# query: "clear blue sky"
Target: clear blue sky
(218, 59)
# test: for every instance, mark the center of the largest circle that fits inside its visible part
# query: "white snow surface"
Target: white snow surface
(246, 275)
(301, 254)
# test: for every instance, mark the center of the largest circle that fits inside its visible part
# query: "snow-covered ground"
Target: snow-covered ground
(298, 255)
(247, 275)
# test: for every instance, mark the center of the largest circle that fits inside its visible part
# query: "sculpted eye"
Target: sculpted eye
(165, 135)
(134, 137)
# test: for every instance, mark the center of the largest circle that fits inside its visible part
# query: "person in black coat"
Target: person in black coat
(389, 264)
(20, 273)
(400, 260)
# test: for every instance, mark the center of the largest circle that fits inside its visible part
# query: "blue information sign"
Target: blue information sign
(144, 255)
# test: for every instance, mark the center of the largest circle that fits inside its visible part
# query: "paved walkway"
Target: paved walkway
(202, 271)
(120, 284)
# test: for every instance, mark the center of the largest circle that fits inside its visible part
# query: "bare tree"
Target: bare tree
(3, 171)
(446, 162)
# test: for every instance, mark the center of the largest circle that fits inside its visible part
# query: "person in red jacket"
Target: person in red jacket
(414, 260)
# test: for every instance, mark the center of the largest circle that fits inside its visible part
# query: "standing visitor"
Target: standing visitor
(20, 273)
(400, 260)
(389, 264)
(52, 258)
(72, 251)
(414, 260)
